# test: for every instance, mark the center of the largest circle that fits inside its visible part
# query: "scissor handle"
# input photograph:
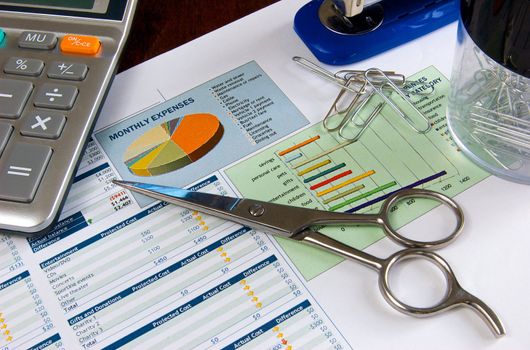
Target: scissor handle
(455, 295)
(420, 193)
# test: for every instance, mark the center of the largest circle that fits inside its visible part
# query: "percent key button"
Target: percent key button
(24, 66)
(56, 96)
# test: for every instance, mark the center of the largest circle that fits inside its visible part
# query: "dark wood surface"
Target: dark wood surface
(162, 25)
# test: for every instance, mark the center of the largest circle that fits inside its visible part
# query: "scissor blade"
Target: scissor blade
(239, 210)
(211, 203)
(273, 218)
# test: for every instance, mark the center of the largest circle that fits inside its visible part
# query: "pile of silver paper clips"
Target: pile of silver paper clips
(492, 110)
(358, 88)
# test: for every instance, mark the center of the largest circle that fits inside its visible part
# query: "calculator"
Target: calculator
(57, 61)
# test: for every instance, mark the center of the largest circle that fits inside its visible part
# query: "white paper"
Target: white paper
(489, 259)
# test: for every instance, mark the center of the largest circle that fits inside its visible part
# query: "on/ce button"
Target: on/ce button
(80, 44)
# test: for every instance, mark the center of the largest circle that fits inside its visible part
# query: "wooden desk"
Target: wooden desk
(160, 26)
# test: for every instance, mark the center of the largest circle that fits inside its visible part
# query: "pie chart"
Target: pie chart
(173, 144)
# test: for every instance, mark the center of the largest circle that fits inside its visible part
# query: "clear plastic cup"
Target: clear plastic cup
(489, 107)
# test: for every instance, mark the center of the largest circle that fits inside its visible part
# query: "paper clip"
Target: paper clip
(396, 78)
(375, 77)
(379, 89)
(501, 126)
(352, 122)
(514, 164)
(315, 68)
(337, 112)
(342, 77)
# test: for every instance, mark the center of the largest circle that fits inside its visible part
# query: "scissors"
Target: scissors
(296, 223)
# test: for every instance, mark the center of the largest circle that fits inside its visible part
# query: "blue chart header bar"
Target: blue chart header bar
(204, 183)
(46, 342)
(14, 280)
(91, 172)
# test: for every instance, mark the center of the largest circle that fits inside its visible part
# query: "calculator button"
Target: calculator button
(46, 125)
(56, 96)
(22, 171)
(67, 71)
(37, 40)
(82, 44)
(13, 97)
(5, 132)
(24, 66)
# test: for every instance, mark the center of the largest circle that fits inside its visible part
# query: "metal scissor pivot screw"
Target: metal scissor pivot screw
(256, 210)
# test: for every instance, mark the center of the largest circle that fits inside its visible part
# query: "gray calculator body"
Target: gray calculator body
(52, 85)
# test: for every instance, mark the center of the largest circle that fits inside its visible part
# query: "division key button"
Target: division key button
(56, 96)
(21, 171)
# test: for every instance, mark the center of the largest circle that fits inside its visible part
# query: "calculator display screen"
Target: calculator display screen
(110, 9)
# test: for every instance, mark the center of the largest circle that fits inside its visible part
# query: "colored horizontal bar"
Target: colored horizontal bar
(301, 144)
(325, 172)
(362, 196)
(314, 167)
(343, 194)
(383, 197)
(346, 183)
(292, 157)
(320, 155)
(330, 180)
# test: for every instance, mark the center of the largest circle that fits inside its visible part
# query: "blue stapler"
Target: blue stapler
(346, 31)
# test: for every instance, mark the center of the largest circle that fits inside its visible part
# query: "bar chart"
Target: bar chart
(318, 169)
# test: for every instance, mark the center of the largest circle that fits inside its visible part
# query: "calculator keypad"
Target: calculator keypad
(13, 97)
(55, 71)
(23, 163)
(22, 171)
